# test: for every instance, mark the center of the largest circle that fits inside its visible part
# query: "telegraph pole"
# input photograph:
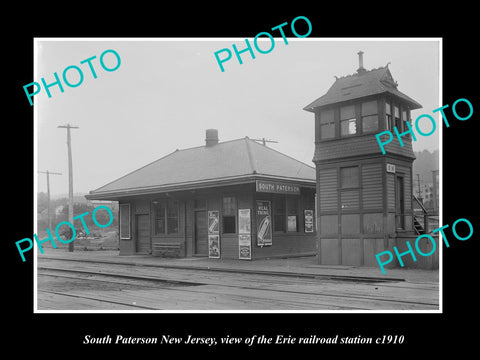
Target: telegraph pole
(419, 188)
(435, 174)
(48, 195)
(70, 178)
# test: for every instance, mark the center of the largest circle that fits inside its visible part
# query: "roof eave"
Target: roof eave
(116, 194)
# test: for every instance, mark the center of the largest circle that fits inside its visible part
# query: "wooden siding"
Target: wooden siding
(287, 245)
(391, 191)
(350, 199)
(372, 186)
(328, 190)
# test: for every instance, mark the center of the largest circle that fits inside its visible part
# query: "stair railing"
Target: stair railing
(424, 213)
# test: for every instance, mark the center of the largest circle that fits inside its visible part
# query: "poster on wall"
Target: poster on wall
(308, 221)
(244, 235)
(214, 246)
(244, 247)
(244, 221)
(292, 223)
(213, 235)
(213, 222)
(264, 223)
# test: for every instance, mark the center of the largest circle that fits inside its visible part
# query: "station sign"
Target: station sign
(277, 187)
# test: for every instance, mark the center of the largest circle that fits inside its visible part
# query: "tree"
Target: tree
(42, 202)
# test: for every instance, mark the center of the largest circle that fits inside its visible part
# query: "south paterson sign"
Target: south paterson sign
(277, 187)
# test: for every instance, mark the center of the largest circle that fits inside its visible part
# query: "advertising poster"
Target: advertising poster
(292, 223)
(308, 221)
(244, 235)
(264, 223)
(244, 247)
(244, 221)
(213, 246)
(213, 222)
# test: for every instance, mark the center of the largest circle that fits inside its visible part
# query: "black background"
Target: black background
(62, 334)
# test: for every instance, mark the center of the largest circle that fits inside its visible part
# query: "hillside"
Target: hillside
(424, 163)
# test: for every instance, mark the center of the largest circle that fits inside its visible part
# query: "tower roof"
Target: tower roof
(361, 84)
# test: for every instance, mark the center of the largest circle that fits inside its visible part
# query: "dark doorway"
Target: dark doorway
(400, 203)
(201, 235)
(142, 232)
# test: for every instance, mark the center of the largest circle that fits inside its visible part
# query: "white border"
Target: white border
(35, 143)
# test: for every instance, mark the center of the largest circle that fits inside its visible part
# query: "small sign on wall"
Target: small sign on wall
(308, 221)
(391, 168)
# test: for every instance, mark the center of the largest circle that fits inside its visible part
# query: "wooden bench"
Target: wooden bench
(167, 249)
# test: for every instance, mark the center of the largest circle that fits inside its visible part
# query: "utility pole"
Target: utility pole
(264, 141)
(419, 188)
(70, 178)
(435, 174)
(48, 195)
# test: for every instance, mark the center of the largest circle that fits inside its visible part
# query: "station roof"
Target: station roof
(361, 84)
(225, 163)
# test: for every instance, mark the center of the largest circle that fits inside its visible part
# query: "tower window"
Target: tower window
(327, 125)
(388, 117)
(348, 122)
(396, 114)
(369, 116)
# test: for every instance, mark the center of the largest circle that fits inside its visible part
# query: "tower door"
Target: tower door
(400, 203)
(201, 233)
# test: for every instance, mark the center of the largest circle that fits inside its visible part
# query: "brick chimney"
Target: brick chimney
(361, 69)
(211, 137)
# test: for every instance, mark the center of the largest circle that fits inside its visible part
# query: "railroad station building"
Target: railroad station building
(365, 202)
(236, 199)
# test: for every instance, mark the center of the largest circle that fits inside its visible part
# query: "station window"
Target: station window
(172, 218)
(405, 116)
(279, 214)
(369, 116)
(159, 208)
(327, 125)
(348, 122)
(229, 210)
(166, 217)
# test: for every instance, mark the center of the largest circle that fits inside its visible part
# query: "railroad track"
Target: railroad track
(243, 289)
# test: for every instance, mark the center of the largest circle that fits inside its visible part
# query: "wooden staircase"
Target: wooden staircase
(422, 219)
(419, 229)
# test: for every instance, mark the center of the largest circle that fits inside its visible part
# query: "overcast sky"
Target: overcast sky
(168, 91)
